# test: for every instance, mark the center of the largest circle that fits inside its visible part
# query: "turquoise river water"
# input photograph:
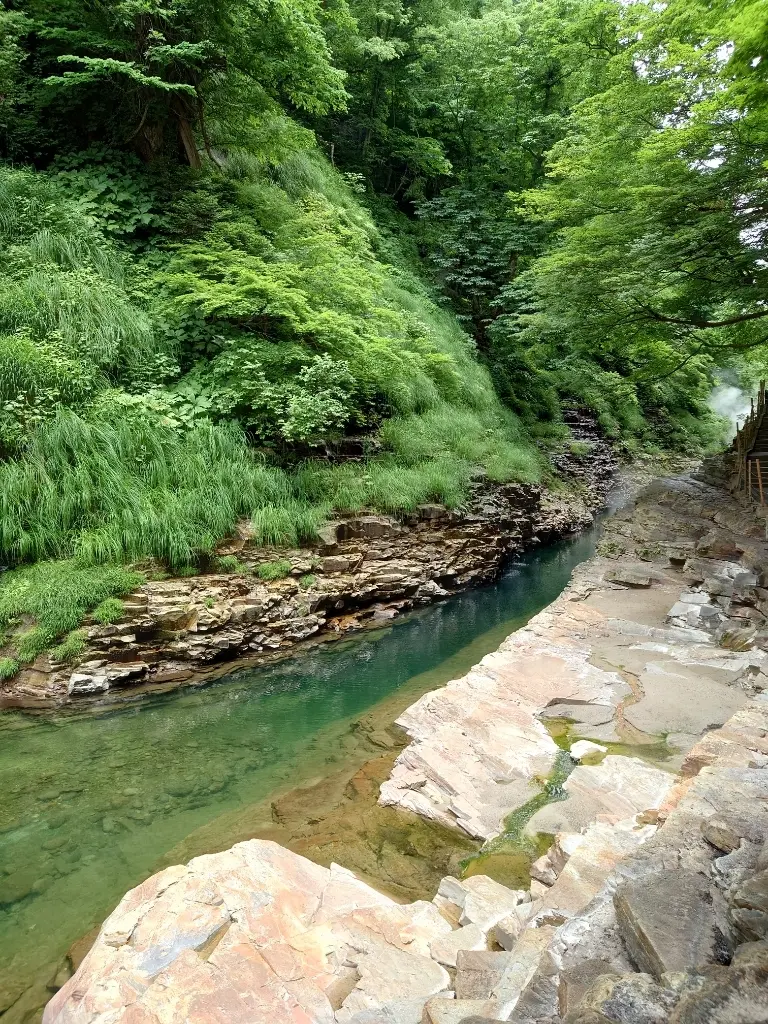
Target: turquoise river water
(91, 802)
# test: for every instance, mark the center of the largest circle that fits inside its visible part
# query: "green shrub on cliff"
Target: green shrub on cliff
(56, 596)
(131, 422)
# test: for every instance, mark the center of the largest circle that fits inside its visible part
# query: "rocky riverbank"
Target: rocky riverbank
(650, 902)
(363, 571)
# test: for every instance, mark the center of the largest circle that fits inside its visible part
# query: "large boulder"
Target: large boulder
(256, 934)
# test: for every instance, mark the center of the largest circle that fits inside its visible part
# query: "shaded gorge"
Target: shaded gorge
(96, 800)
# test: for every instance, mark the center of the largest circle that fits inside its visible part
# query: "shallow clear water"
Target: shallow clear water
(92, 802)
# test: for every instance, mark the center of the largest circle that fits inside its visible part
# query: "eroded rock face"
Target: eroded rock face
(659, 939)
(695, 935)
(256, 933)
(363, 571)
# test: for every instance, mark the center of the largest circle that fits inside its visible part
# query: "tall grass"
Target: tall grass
(91, 316)
(61, 279)
(126, 490)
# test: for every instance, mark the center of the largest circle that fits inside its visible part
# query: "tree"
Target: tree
(659, 193)
(142, 73)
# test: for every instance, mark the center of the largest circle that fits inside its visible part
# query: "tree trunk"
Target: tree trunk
(188, 141)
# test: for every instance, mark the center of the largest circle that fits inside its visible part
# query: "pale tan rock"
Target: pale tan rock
(603, 846)
(447, 1011)
(449, 910)
(254, 934)
(508, 930)
(618, 788)
(469, 936)
(487, 902)
(543, 871)
(584, 748)
(477, 744)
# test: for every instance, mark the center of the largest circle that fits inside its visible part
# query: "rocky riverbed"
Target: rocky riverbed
(363, 571)
(619, 742)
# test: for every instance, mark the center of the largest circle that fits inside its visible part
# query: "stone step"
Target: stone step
(502, 977)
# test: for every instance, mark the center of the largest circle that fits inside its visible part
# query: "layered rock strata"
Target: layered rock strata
(364, 570)
(640, 918)
(614, 655)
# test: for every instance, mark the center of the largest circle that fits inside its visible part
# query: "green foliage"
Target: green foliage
(71, 647)
(230, 563)
(658, 268)
(8, 668)
(580, 448)
(197, 306)
(144, 73)
(62, 284)
(274, 570)
(57, 596)
(111, 188)
(109, 611)
(307, 581)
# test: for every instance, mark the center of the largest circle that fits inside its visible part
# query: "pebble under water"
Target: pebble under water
(93, 801)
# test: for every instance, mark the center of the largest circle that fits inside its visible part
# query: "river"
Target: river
(93, 801)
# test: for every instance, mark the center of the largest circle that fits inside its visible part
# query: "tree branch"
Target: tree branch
(705, 324)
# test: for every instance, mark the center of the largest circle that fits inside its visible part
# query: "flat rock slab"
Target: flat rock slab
(672, 921)
(682, 699)
(601, 848)
(479, 974)
(618, 788)
(478, 744)
(256, 934)
(461, 1011)
(445, 949)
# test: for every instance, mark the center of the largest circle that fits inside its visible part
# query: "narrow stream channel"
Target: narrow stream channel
(92, 802)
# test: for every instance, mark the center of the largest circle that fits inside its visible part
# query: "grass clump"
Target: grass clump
(57, 596)
(230, 563)
(127, 489)
(8, 668)
(277, 570)
(307, 581)
(71, 647)
(109, 611)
